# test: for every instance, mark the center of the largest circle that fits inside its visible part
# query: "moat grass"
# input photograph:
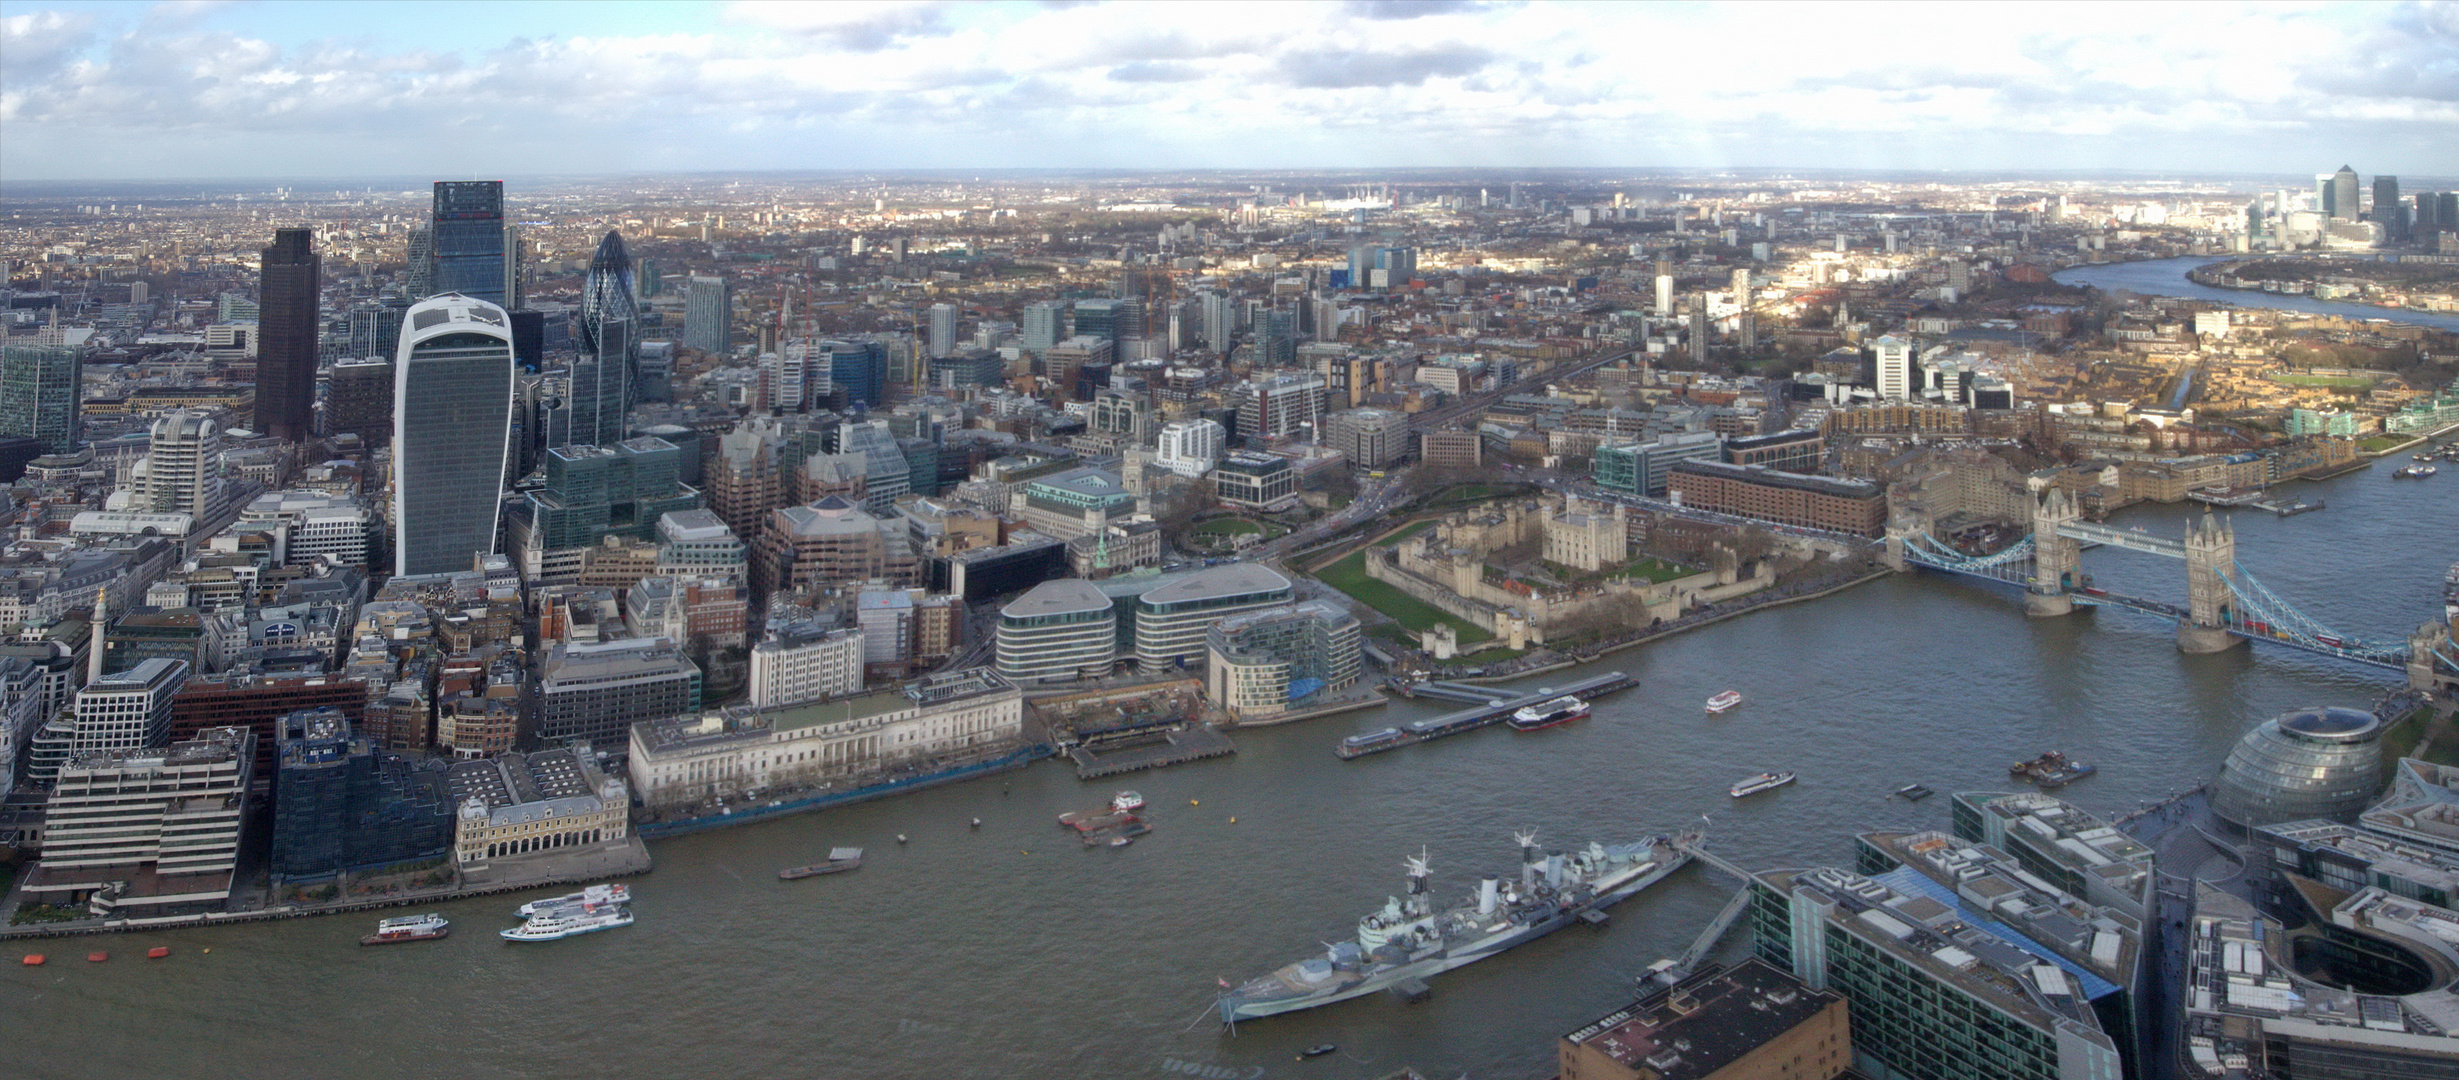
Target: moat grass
(1349, 576)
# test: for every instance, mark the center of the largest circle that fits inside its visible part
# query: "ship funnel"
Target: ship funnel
(1488, 892)
(1553, 870)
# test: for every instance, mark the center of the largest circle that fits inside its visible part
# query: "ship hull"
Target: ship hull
(1233, 1010)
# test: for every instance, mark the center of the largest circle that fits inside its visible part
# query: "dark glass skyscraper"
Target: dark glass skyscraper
(2387, 210)
(468, 238)
(598, 399)
(40, 397)
(287, 326)
(452, 429)
(860, 368)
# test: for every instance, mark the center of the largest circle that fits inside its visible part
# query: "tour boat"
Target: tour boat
(408, 928)
(566, 922)
(1561, 710)
(617, 893)
(1763, 782)
(1724, 701)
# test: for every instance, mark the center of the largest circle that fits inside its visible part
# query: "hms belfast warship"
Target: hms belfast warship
(1411, 936)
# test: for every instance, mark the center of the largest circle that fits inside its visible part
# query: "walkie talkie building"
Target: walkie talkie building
(452, 424)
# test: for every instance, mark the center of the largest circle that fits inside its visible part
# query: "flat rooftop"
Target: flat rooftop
(1063, 596)
(1705, 1023)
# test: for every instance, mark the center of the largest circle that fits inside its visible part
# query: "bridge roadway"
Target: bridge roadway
(1474, 717)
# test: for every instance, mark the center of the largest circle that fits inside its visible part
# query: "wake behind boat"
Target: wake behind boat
(1413, 937)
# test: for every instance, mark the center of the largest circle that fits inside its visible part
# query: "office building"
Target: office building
(596, 691)
(1077, 502)
(698, 542)
(546, 802)
(1189, 448)
(680, 760)
(259, 702)
(1933, 992)
(1748, 1022)
(1171, 615)
(1450, 448)
(1059, 631)
(805, 661)
(2342, 204)
(452, 433)
(600, 384)
(287, 329)
(1262, 663)
(129, 710)
(474, 253)
(2387, 209)
(359, 396)
(1895, 367)
(1371, 438)
(1255, 481)
(1280, 406)
(1643, 468)
(340, 803)
(1797, 450)
(708, 315)
(594, 492)
(1751, 491)
(181, 472)
(146, 830)
(2310, 763)
(41, 395)
(830, 544)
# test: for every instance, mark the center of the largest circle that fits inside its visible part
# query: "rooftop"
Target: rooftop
(1217, 583)
(1706, 1022)
(1062, 596)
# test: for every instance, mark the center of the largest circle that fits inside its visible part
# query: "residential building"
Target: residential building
(1895, 367)
(1262, 663)
(1280, 406)
(452, 424)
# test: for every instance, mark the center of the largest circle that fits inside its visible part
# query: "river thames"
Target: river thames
(2167, 277)
(1012, 952)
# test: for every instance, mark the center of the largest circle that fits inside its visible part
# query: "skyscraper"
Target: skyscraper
(2344, 194)
(468, 238)
(181, 470)
(2387, 209)
(943, 330)
(860, 368)
(452, 425)
(600, 390)
(287, 329)
(708, 315)
(40, 396)
(1042, 325)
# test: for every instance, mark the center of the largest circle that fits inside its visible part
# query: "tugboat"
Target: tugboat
(426, 927)
(839, 861)
(1416, 936)
(1724, 701)
(1765, 781)
(567, 922)
(1561, 710)
(598, 895)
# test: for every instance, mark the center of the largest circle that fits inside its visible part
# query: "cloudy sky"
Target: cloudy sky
(313, 90)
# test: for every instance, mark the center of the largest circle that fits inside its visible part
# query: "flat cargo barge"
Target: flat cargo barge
(1470, 719)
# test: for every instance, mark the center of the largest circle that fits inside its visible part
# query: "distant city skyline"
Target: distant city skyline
(121, 91)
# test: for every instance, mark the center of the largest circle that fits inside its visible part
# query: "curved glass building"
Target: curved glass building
(1059, 631)
(598, 400)
(452, 429)
(2315, 762)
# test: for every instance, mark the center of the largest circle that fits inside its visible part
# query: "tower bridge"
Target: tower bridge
(2225, 603)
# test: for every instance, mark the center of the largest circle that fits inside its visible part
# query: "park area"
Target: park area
(1348, 574)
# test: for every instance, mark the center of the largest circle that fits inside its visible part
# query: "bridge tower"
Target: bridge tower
(1902, 526)
(2211, 554)
(2427, 671)
(2056, 560)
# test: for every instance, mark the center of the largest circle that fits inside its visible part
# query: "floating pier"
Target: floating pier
(1474, 717)
(1177, 746)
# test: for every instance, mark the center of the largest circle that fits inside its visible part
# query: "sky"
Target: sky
(127, 91)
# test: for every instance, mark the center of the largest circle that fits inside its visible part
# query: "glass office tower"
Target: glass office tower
(600, 392)
(288, 326)
(39, 394)
(468, 240)
(452, 426)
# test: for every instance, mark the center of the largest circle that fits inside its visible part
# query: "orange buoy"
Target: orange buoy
(157, 952)
(34, 959)
(97, 957)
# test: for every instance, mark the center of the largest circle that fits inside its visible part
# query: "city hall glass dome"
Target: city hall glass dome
(2315, 762)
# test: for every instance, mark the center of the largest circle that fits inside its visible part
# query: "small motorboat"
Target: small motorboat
(1316, 1051)
(33, 959)
(977, 823)
(1126, 802)
(97, 957)
(157, 952)
(839, 861)
(1724, 701)
(900, 838)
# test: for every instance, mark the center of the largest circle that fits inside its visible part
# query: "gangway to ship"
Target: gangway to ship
(1452, 691)
(1470, 719)
(1692, 848)
(1705, 943)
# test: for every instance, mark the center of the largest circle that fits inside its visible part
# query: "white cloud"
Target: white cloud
(824, 85)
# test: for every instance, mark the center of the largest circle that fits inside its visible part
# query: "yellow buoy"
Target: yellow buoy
(1192, 802)
(1233, 819)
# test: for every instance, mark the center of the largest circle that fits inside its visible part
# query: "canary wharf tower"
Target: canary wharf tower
(452, 428)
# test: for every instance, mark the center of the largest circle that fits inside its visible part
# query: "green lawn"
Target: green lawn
(1655, 570)
(1227, 527)
(2380, 443)
(2343, 382)
(1349, 576)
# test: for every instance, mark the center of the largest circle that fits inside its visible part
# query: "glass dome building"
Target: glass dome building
(2315, 762)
